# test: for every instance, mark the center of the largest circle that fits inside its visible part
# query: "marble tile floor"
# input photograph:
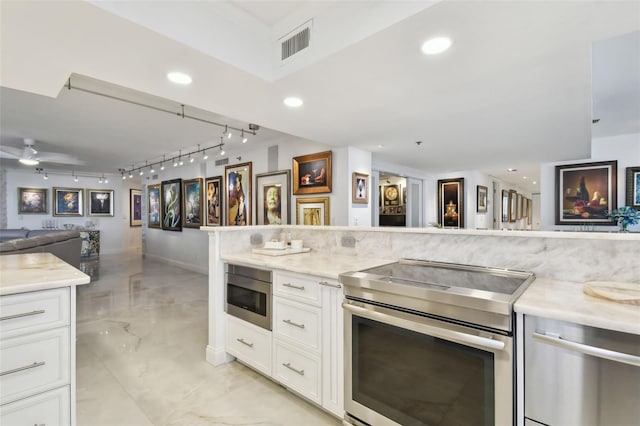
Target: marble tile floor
(141, 337)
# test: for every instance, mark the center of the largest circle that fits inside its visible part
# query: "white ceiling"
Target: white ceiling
(514, 90)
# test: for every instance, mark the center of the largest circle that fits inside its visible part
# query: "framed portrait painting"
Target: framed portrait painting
(312, 211)
(519, 200)
(633, 187)
(214, 200)
(192, 203)
(32, 201)
(238, 194)
(451, 203)
(67, 202)
(360, 188)
(312, 173)
(273, 195)
(513, 205)
(100, 202)
(481, 198)
(585, 193)
(154, 217)
(171, 203)
(135, 207)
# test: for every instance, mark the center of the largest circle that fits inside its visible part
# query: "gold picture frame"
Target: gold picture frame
(360, 188)
(312, 211)
(312, 173)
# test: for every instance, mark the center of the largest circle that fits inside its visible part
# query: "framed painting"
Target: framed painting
(100, 202)
(67, 202)
(513, 205)
(154, 218)
(505, 205)
(451, 203)
(192, 203)
(273, 195)
(214, 201)
(391, 195)
(171, 203)
(32, 201)
(481, 199)
(633, 187)
(312, 211)
(586, 192)
(312, 173)
(519, 200)
(238, 194)
(135, 207)
(360, 188)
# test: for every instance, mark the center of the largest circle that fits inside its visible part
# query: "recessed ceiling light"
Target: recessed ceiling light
(380, 146)
(534, 182)
(436, 45)
(293, 102)
(179, 77)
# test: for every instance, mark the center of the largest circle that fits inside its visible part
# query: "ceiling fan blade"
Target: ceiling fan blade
(10, 152)
(54, 157)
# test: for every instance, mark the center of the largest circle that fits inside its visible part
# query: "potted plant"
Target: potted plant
(625, 216)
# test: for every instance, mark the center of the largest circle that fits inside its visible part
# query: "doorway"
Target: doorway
(392, 206)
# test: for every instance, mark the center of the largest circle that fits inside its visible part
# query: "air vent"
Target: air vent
(222, 162)
(297, 40)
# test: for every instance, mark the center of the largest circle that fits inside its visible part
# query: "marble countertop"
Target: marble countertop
(312, 263)
(20, 273)
(565, 301)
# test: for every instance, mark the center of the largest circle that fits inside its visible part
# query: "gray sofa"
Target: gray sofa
(66, 245)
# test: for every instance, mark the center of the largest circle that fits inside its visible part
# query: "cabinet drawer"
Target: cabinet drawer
(49, 408)
(297, 323)
(297, 370)
(303, 288)
(34, 363)
(35, 311)
(249, 343)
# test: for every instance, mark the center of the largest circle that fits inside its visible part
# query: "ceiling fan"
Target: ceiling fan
(30, 156)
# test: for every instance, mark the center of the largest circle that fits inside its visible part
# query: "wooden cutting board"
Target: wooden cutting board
(615, 292)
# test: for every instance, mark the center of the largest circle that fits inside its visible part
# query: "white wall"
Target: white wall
(115, 233)
(623, 148)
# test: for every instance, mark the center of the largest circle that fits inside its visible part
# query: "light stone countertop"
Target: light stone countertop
(20, 273)
(311, 263)
(565, 301)
(554, 299)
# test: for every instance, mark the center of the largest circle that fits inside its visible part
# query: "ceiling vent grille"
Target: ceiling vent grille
(297, 40)
(222, 162)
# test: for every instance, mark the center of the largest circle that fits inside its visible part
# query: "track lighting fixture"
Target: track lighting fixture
(175, 163)
(141, 172)
(244, 138)
(221, 145)
(45, 177)
(104, 179)
(75, 178)
(151, 170)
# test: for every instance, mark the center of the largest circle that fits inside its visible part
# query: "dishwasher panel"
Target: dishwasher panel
(580, 375)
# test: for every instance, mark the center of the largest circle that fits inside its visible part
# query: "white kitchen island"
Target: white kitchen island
(37, 339)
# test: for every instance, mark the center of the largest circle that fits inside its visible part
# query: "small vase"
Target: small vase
(624, 227)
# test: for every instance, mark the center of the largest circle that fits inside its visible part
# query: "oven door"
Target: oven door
(405, 369)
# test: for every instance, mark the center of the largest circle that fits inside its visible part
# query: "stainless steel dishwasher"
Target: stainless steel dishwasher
(579, 375)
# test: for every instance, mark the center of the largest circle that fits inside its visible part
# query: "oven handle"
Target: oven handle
(455, 336)
(587, 349)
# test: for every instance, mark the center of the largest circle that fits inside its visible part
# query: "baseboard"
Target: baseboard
(183, 265)
(217, 357)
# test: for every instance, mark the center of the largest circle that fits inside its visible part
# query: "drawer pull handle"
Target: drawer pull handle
(288, 365)
(327, 284)
(295, 324)
(26, 367)
(244, 342)
(297, 287)
(26, 314)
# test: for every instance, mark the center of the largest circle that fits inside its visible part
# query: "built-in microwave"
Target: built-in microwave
(248, 294)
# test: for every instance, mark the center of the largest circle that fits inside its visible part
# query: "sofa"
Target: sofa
(66, 245)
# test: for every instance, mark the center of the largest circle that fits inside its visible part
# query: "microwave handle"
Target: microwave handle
(454, 336)
(556, 340)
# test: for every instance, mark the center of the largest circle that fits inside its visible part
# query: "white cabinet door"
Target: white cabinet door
(332, 347)
(34, 363)
(249, 343)
(48, 408)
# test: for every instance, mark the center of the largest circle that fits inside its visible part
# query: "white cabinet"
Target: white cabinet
(307, 335)
(249, 343)
(37, 348)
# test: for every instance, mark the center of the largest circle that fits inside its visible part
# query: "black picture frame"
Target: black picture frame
(633, 187)
(451, 203)
(171, 202)
(482, 199)
(586, 193)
